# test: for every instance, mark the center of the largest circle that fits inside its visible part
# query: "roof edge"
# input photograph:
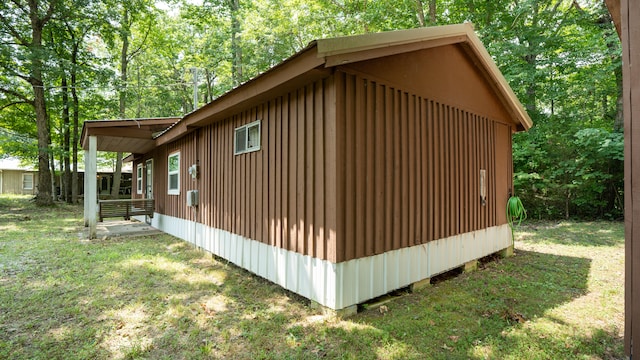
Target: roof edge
(494, 73)
(355, 43)
(89, 125)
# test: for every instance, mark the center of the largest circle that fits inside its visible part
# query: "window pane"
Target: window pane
(27, 182)
(241, 140)
(173, 181)
(254, 136)
(174, 162)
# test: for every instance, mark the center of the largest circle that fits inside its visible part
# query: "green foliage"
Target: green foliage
(562, 58)
(581, 176)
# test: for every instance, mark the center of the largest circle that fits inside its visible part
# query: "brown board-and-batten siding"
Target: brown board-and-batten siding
(387, 170)
(282, 195)
(410, 169)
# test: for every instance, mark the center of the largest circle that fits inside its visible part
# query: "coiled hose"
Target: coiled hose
(516, 213)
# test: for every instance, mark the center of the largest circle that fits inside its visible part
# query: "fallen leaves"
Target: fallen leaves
(513, 316)
(207, 311)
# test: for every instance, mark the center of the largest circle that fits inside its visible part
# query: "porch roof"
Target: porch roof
(136, 136)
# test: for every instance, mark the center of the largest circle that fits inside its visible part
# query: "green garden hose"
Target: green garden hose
(516, 213)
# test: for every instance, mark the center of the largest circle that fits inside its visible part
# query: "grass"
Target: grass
(61, 297)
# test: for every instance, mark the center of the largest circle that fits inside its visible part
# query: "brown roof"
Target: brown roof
(316, 61)
(125, 135)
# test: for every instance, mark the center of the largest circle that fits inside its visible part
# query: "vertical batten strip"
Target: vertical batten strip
(420, 188)
(300, 191)
(404, 175)
(332, 164)
(368, 131)
(387, 93)
(397, 174)
(278, 173)
(430, 172)
(320, 173)
(286, 154)
(293, 173)
(411, 167)
(350, 175)
(360, 168)
(310, 175)
(379, 189)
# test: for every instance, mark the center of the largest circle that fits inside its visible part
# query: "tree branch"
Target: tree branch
(49, 13)
(23, 98)
(12, 30)
(12, 72)
(142, 43)
(15, 103)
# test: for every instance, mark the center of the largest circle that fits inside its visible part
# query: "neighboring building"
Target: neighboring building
(16, 178)
(360, 165)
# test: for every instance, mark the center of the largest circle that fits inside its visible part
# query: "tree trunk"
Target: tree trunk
(117, 176)
(210, 78)
(42, 123)
(39, 103)
(52, 163)
(432, 11)
(76, 115)
(124, 63)
(236, 49)
(420, 11)
(618, 122)
(65, 187)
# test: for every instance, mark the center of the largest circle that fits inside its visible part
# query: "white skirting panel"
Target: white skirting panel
(341, 285)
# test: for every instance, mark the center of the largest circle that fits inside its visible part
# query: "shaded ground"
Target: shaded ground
(560, 297)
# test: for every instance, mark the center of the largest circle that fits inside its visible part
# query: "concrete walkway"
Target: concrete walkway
(121, 228)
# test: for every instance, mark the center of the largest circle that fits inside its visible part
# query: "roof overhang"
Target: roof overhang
(136, 136)
(296, 71)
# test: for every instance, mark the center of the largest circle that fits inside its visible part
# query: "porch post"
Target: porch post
(630, 26)
(90, 187)
(85, 187)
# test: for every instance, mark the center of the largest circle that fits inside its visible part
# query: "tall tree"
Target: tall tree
(22, 24)
(236, 47)
(127, 15)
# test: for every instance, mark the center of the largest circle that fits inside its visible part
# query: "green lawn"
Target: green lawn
(560, 297)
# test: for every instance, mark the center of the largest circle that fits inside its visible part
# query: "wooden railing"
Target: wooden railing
(125, 208)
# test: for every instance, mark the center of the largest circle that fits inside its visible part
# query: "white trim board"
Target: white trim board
(344, 284)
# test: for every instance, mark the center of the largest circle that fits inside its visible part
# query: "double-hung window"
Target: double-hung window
(247, 138)
(27, 181)
(173, 165)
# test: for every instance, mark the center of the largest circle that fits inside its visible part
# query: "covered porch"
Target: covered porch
(134, 136)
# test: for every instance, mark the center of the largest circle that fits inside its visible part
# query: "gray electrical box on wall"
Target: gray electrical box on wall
(192, 198)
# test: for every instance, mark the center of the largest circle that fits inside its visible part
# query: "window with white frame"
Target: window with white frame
(27, 181)
(173, 165)
(247, 138)
(139, 179)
